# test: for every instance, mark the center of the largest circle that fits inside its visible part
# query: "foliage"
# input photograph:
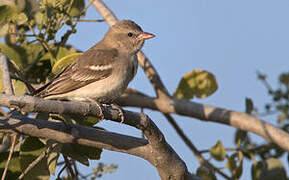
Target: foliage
(29, 28)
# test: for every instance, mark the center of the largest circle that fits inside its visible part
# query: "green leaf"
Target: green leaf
(21, 18)
(68, 150)
(27, 6)
(89, 152)
(40, 18)
(205, 173)
(14, 169)
(8, 12)
(218, 151)
(249, 105)
(52, 162)
(63, 63)
(236, 168)
(76, 8)
(30, 149)
(62, 52)
(241, 137)
(284, 78)
(197, 83)
(4, 30)
(19, 87)
(269, 169)
(13, 53)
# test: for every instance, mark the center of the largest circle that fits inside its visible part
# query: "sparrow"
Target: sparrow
(103, 72)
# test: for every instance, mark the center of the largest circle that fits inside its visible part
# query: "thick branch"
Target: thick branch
(155, 150)
(209, 113)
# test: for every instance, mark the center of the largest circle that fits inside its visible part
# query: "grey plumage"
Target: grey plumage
(102, 72)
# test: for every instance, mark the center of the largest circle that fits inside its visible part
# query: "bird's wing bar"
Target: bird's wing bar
(93, 65)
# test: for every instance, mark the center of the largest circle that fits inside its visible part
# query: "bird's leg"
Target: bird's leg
(94, 102)
(119, 109)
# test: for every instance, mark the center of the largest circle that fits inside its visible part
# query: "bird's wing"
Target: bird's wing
(93, 65)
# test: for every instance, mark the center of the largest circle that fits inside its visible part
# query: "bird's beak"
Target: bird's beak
(145, 36)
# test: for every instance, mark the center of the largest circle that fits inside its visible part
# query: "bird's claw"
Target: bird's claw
(120, 111)
(98, 107)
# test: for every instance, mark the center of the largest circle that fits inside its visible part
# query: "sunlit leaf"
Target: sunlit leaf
(30, 149)
(40, 18)
(52, 162)
(77, 8)
(218, 151)
(64, 62)
(19, 87)
(8, 12)
(12, 53)
(197, 83)
(21, 18)
(4, 30)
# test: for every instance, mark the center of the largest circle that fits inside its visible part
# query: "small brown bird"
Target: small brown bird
(103, 72)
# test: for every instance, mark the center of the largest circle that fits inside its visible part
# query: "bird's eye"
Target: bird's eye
(129, 34)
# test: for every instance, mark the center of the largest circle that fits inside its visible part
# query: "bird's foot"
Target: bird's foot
(120, 111)
(97, 104)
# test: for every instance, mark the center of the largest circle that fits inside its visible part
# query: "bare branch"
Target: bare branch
(155, 149)
(209, 113)
(14, 137)
(193, 148)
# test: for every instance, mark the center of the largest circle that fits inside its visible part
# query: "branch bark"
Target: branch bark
(155, 149)
(210, 114)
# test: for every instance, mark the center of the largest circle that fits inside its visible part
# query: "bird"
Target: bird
(103, 72)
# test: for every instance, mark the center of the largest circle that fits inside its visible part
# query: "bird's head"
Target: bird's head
(126, 35)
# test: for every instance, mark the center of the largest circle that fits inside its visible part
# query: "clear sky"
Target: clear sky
(232, 39)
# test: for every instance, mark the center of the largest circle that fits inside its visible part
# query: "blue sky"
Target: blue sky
(232, 39)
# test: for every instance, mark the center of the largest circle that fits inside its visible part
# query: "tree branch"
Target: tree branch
(6, 80)
(7, 83)
(208, 113)
(155, 149)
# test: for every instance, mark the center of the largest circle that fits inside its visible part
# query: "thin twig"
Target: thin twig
(62, 169)
(14, 137)
(43, 155)
(192, 147)
(75, 168)
(44, 44)
(89, 20)
(70, 170)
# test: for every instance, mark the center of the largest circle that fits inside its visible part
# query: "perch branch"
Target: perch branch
(155, 149)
